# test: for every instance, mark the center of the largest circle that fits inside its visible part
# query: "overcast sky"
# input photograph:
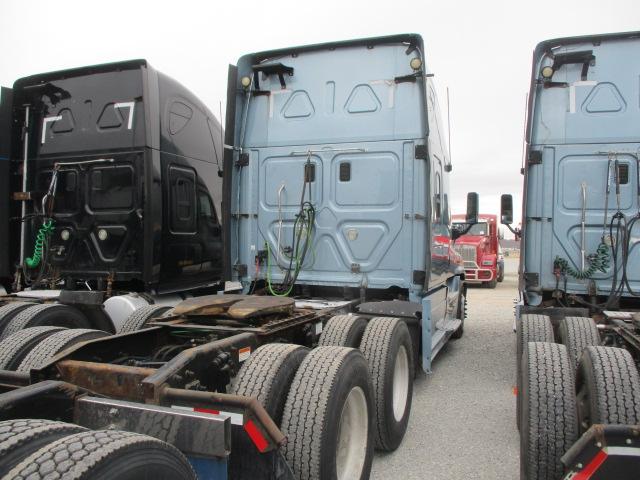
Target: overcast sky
(480, 49)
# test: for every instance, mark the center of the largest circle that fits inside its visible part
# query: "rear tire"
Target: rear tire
(578, 333)
(14, 348)
(10, 310)
(343, 331)
(328, 417)
(48, 348)
(50, 314)
(387, 346)
(20, 438)
(608, 387)
(530, 328)
(549, 424)
(105, 455)
(139, 318)
(267, 375)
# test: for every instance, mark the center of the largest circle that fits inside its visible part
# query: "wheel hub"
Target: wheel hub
(353, 432)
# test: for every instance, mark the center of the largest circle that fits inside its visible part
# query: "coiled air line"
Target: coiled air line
(597, 262)
(41, 240)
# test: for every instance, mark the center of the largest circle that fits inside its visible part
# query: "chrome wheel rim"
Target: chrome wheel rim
(400, 383)
(353, 433)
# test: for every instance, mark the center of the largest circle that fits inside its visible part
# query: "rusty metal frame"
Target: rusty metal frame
(196, 362)
(64, 383)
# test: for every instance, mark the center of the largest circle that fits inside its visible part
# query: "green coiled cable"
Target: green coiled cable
(598, 262)
(41, 239)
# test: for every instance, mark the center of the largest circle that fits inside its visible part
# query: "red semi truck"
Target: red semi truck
(479, 248)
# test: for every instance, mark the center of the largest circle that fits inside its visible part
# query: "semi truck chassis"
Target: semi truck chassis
(169, 380)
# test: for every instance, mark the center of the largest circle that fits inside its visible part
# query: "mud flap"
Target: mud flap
(603, 452)
(246, 463)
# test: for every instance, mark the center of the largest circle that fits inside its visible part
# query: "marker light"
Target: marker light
(246, 82)
(415, 63)
(547, 72)
(65, 235)
(102, 234)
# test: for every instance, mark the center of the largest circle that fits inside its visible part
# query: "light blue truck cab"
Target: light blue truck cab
(338, 185)
(577, 321)
(339, 284)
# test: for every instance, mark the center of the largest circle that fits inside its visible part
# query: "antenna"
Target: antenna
(221, 135)
(449, 126)
(524, 132)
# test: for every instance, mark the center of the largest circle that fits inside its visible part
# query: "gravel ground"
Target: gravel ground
(462, 423)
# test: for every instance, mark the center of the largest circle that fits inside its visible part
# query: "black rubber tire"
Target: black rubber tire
(54, 344)
(14, 348)
(380, 345)
(530, 328)
(267, 375)
(578, 333)
(462, 314)
(492, 283)
(549, 423)
(138, 319)
(50, 314)
(343, 331)
(105, 455)
(10, 310)
(608, 387)
(20, 438)
(312, 417)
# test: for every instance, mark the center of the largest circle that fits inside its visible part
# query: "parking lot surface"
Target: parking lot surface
(462, 423)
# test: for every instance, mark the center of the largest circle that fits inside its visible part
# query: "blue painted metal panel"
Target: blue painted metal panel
(341, 106)
(209, 468)
(582, 126)
(357, 222)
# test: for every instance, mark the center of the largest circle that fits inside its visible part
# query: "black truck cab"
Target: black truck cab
(114, 173)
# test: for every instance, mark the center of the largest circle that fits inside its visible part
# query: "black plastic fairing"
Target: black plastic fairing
(115, 135)
(6, 102)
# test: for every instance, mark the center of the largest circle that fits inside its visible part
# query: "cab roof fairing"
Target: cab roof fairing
(411, 39)
(244, 67)
(545, 48)
(33, 80)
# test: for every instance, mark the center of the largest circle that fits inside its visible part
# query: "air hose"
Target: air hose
(302, 227)
(597, 262)
(41, 239)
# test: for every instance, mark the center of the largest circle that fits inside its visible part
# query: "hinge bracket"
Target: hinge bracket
(243, 160)
(421, 152)
(535, 157)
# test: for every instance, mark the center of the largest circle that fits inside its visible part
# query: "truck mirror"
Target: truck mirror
(506, 209)
(472, 208)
